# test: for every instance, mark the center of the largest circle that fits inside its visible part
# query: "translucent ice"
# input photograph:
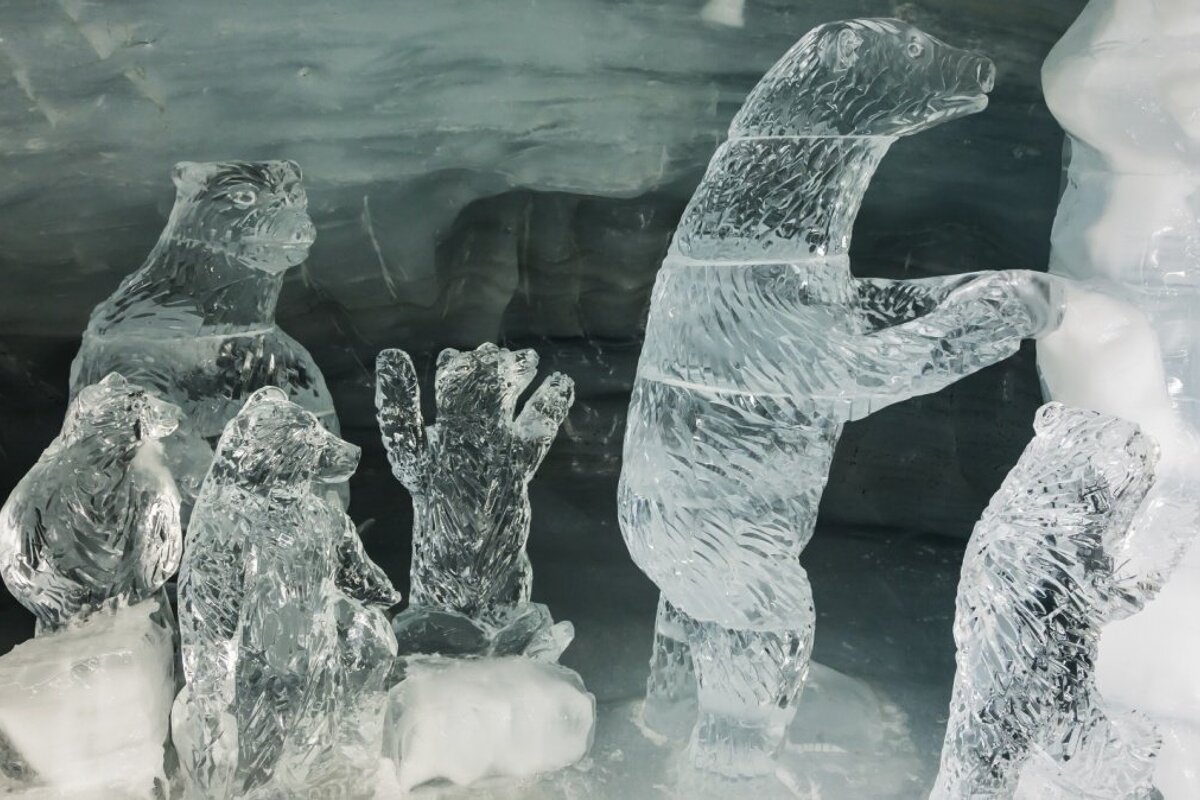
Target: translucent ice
(463, 720)
(95, 522)
(286, 651)
(761, 344)
(525, 629)
(1122, 81)
(196, 323)
(469, 472)
(1044, 571)
(83, 711)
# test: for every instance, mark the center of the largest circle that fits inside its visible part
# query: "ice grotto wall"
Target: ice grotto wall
(501, 169)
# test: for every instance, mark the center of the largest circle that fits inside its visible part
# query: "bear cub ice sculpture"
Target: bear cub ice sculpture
(469, 472)
(1042, 575)
(96, 521)
(286, 649)
(196, 323)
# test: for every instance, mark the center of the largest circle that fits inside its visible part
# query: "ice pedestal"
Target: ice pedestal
(84, 712)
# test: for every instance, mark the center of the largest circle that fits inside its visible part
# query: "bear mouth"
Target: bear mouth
(960, 104)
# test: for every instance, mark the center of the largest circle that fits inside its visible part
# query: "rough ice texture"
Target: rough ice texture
(1043, 573)
(524, 629)
(196, 322)
(760, 345)
(96, 522)
(462, 720)
(468, 473)
(286, 650)
(1122, 83)
(83, 711)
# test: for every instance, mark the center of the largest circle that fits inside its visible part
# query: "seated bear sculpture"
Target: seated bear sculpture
(286, 647)
(1043, 573)
(196, 323)
(761, 345)
(95, 523)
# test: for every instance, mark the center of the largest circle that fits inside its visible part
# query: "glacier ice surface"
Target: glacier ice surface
(760, 345)
(286, 649)
(84, 710)
(1120, 81)
(96, 521)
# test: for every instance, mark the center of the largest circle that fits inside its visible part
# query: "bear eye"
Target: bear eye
(915, 49)
(243, 198)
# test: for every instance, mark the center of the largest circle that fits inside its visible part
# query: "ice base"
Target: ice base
(847, 743)
(83, 712)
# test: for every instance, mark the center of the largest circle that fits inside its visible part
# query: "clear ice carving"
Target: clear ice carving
(469, 473)
(464, 720)
(95, 523)
(1043, 573)
(286, 649)
(195, 324)
(84, 710)
(760, 345)
(1121, 81)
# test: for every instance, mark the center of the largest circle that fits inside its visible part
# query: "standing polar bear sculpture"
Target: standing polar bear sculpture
(760, 345)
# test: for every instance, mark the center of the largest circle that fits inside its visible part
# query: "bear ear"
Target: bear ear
(446, 356)
(846, 46)
(267, 394)
(1048, 416)
(189, 176)
(113, 380)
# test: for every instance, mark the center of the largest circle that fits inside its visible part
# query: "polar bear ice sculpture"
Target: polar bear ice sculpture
(1044, 571)
(285, 650)
(96, 521)
(196, 323)
(760, 345)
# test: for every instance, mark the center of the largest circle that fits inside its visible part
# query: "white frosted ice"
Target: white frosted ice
(84, 711)
(286, 649)
(761, 344)
(463, 720)
(1043, 573)
(195, 324)
(96, 521)
(1122, 81)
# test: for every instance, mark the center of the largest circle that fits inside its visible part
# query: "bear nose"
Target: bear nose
(986, 73)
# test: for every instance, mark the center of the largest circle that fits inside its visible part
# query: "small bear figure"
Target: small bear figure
(95, 522)
(196, 323)
(469, 473)
(286, 648)
(1043, 574)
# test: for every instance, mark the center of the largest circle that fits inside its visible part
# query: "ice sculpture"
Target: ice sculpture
(196, 323)
(469, 472)
(286, 651)
(1122, 83)
(760, 344)
(1044, 571)
(463, 720)
(84, 710)
(95, 522)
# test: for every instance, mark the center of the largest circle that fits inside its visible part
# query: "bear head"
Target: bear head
(483, 383)
(274, 445)
(866, 77)
(256, 212)
(1088, 473)
(119, 414)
